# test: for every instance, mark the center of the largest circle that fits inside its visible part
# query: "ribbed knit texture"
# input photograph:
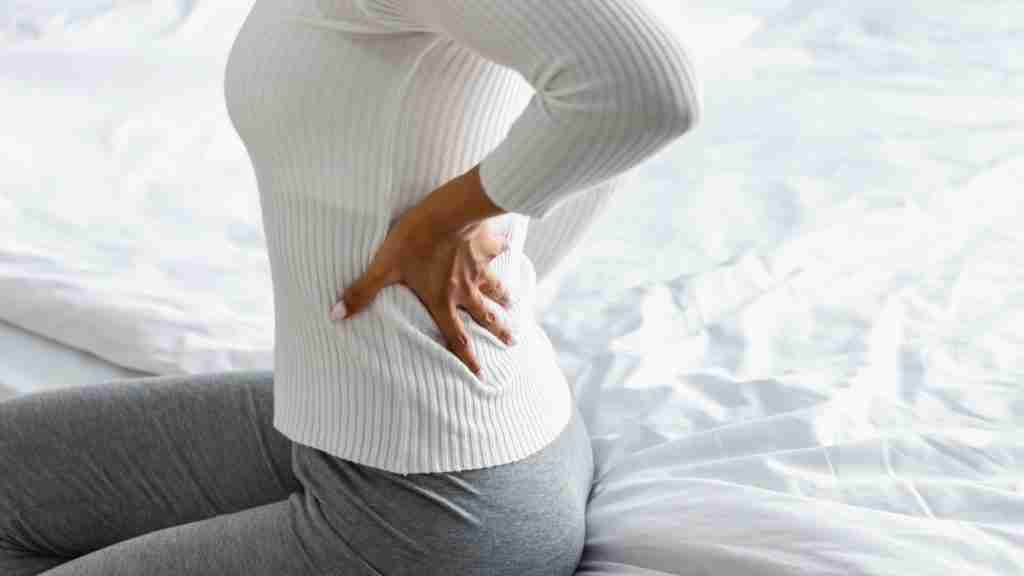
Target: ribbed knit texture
(352, 111)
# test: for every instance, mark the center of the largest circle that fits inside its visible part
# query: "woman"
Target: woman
(416, 421)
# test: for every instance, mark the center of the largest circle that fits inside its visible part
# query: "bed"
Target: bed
(22, 372)
(795, 339)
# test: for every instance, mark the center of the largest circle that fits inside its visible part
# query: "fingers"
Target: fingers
(484, 317)
(494, 289)
(360, 293)
(454, 333)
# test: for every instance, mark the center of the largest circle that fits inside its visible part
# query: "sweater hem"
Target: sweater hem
(307, 433)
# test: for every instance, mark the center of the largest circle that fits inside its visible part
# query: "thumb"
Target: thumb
(360, 293)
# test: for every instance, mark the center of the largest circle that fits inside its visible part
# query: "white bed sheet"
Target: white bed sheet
(32, 363)
(796, 340)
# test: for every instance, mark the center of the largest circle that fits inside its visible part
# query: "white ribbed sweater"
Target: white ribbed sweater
(351, 112)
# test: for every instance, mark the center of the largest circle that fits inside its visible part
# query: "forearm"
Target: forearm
(612, 87)
(458, 204)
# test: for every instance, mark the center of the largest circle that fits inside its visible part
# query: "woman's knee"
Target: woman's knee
(10, 456)
(16, 556)
(15, 560)
(21, 420)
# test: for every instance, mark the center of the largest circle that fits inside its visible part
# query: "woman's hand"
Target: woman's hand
(445, 270)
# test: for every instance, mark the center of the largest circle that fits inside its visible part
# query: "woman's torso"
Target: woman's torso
(345, 133)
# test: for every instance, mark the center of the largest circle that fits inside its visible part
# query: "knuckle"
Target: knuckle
(458, 340)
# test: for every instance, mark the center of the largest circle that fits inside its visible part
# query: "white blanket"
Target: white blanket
(803, 354)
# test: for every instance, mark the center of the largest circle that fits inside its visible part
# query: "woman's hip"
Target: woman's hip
(523, 517)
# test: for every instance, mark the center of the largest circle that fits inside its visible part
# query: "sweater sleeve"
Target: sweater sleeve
(551, 239)
(613, 86)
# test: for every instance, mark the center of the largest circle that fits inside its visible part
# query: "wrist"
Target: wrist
(459, 205)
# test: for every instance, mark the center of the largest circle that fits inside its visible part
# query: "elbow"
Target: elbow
(652, 97)
(688, 110)
(642, 82)
(678, 112)
(663, 94)
(687, 86)
(674, 102)
(665, 115)
(654, 92)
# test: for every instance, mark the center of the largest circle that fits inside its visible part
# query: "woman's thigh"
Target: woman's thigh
(85, 467)
(284, 538)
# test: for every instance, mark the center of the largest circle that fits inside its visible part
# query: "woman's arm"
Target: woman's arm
(462, 202)
(613, 87)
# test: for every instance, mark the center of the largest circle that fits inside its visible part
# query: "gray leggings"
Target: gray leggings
(185, 475)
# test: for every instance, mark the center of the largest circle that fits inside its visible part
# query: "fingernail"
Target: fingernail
(338, 312)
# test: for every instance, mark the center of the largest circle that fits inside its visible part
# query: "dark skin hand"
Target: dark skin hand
(440, 249)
